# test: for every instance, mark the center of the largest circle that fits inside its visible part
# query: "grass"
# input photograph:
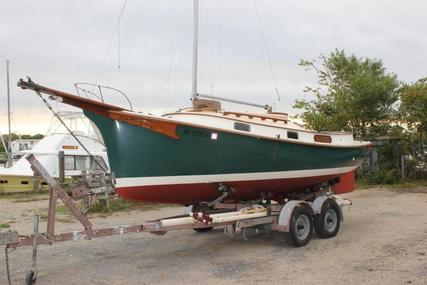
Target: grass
(116, 205)
(100, 207)
(4, 226)
(25, 197)
(406, 185)
(120, 204)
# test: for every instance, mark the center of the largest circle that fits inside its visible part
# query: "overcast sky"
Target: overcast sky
(59, 43)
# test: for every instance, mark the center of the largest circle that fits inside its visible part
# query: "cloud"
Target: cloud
(59, 43)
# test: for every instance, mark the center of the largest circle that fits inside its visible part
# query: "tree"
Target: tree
(353, 94)
(17, 137)
(413, 113)
(413, 107)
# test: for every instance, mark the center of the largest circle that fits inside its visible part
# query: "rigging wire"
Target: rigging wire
(171, 45)
(267, 53)
(116, 30)
(72, 133)
(118, 45)
(181, 40)
(211, 43)
(220, 48)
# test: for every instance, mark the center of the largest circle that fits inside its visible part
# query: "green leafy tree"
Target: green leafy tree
(413, 107)
(37, 136)
(353, 94)
(16, 137)
(413, 114)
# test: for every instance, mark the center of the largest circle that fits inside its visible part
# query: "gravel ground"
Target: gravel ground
(383, 240)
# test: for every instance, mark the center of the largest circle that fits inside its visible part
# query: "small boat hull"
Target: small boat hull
(16, 184)
(171, 160)
(187, 194)
(150, 166)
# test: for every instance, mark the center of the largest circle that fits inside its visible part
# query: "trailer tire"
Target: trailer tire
(203, 230)
(327, 223)
(300, 227)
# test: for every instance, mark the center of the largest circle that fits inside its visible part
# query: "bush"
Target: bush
(389, 176)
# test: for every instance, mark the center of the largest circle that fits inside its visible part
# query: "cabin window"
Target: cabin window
(322, 138)
(24, 182)
(293, 135)
(242, 127)
(69, 163)
(3, 181)
(83, 162)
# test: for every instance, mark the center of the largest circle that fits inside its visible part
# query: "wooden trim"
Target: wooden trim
(265, 124)
(246, 133)
(107, 110)
(273, 117)
(163, 127)
(67, 98)
(73, 147)
(322, 138)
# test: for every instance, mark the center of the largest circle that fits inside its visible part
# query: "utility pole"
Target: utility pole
(9, 145)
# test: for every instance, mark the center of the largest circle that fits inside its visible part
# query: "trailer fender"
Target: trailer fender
(320, 201)
(286, 213)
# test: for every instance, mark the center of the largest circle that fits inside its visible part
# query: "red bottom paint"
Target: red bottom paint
(187, 194)
(346, 184)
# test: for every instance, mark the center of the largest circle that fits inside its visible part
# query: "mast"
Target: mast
(9, 150)
(195, 47)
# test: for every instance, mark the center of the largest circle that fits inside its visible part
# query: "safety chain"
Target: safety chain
(71, 132)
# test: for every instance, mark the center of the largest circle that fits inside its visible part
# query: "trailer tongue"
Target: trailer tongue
(296, 218)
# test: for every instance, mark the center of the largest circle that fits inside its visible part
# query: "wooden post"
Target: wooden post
(61, 159)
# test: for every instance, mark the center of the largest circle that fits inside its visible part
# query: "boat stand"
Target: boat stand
(235, 218)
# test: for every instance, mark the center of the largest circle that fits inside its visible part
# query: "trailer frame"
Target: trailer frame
(234, 217)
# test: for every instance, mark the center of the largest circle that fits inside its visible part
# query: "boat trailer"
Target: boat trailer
(296, 218)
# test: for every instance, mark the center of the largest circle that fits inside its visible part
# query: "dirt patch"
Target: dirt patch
(381, 241)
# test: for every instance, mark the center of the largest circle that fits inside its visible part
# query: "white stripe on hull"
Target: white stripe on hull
(194, 179)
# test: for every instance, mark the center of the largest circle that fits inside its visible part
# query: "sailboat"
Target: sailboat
(20, 177)
(204, 153)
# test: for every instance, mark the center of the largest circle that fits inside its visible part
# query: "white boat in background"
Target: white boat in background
(19, 146)
(20, 177)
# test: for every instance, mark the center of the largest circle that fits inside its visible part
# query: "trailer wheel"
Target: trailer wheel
(327, 223)
(30, 278)
(203, 230)
(300, 227)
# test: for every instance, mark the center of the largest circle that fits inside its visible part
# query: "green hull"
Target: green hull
(139, 152)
